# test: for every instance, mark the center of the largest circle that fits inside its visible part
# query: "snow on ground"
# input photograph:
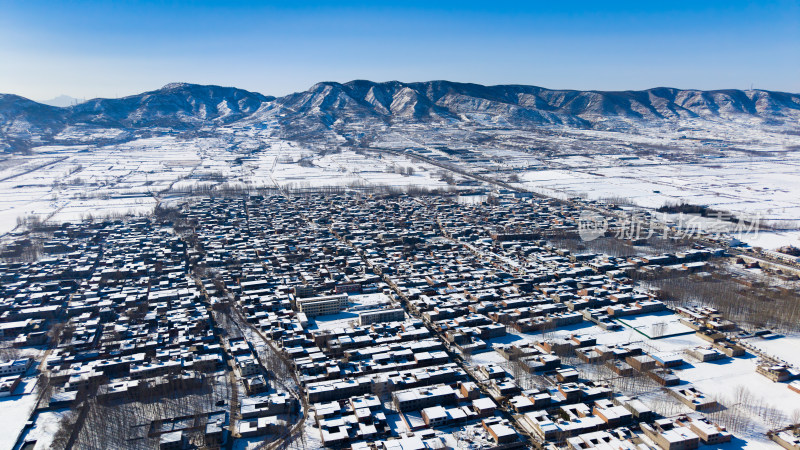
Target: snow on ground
(333, 321)
(397, 424)
(485, 358)
(15, 411)
(656, 325)
(786, 348)
(45, 427)
(363, 302)
(67, 183)
(351, 168)
(722, 380)
(767, 187)
(772, 240)
(311, 434)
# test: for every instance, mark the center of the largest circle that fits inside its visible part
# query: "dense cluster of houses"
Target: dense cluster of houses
(445, 268)
(125, 320)
(378, 305)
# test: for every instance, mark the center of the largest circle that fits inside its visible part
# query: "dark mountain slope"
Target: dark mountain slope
(361, 105)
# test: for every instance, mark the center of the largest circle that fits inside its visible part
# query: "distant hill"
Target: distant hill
(62, 101)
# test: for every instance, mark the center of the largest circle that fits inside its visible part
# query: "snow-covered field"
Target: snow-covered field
(656, 325)
(786, 348)
(68, 183)
(766, 188)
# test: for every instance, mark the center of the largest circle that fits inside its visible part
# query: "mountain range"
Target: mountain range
(364, 105)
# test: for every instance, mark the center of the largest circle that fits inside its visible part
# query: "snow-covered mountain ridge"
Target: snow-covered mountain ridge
(360, 107)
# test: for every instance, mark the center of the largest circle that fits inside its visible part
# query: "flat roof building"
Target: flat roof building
(321, 306)
(381, 315)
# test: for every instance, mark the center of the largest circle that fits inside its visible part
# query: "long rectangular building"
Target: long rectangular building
(321, 306)
(381, 315)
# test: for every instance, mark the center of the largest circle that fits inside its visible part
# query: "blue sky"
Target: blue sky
(109, 49)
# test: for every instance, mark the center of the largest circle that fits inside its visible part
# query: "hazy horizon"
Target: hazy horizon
(64, 97)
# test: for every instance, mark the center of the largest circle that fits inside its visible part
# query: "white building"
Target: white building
(321, 306)
(15, 367)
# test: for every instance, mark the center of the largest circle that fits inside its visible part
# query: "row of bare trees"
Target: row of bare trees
(754, 306)
(125, 422)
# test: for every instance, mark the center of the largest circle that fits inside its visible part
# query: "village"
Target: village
(375, 321)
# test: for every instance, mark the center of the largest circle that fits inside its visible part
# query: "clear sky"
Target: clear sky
(116, 48)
